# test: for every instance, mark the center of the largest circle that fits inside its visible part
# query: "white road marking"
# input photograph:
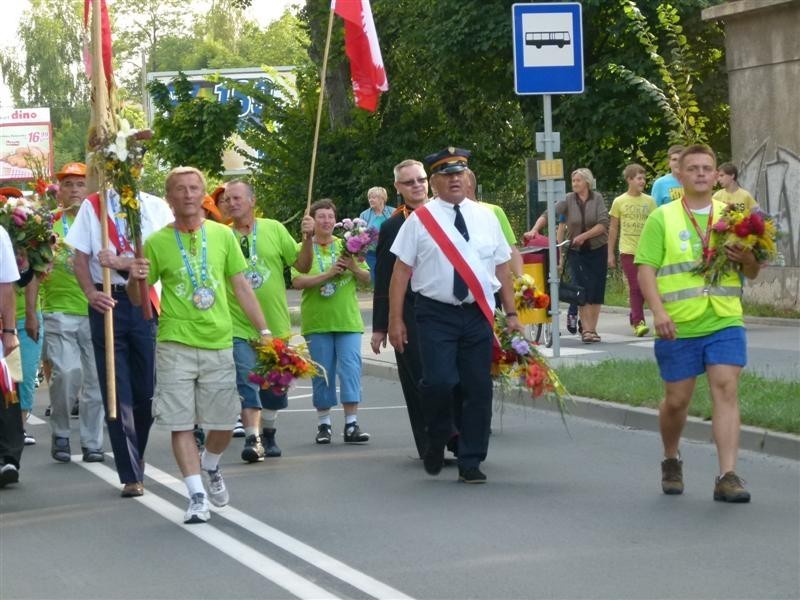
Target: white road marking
(246, 555)
(242, 553)
(34, 420)
(644, 344)
(548, 352)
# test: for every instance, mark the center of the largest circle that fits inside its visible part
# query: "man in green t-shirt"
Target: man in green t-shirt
(268, 249)
(68, 334)
(194, 259)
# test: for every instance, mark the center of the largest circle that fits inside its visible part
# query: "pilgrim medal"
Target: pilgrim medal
(255, 278)
(327, 290)
(203, 298)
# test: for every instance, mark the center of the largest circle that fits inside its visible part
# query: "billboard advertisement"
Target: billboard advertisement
(26, 143)
(205, 84)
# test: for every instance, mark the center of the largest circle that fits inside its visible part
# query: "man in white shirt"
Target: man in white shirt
(454, 320)
(11, 435)
(134, 337)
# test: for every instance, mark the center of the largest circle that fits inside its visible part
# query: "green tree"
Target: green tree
(192, 130)
(48, 71)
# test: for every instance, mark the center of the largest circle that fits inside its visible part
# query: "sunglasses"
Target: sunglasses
(418, 180)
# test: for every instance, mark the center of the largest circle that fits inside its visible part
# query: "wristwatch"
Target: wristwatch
(11, 331)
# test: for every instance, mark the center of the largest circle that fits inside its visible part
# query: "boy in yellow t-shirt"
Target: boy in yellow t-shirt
(731, 193)
(628, 214)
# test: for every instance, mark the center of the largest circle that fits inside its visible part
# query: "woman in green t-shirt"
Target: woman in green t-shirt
(332, 324)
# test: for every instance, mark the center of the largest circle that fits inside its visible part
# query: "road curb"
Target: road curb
(754, 439)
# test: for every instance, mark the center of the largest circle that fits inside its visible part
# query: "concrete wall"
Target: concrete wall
(762, 45)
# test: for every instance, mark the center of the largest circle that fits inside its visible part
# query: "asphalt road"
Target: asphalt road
(562, 516)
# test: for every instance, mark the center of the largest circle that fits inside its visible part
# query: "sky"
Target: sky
(262, 11)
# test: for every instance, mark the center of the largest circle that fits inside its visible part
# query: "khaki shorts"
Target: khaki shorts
(195, 386)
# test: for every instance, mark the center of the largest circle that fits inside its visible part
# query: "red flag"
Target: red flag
(361, 45)
(105, 43)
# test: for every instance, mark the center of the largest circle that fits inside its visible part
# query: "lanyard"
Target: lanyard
(253, 252)
(319, 255)
(203, 256)
(64, 223)
(704, 239)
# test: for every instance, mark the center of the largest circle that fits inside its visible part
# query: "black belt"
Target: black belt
(116, 288)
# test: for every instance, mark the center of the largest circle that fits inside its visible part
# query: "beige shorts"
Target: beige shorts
(195, 386)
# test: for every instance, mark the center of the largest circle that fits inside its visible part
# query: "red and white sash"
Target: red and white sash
(482, 295)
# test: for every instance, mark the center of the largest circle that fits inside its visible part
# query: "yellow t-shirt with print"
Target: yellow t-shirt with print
(631, 212)
(741, 198)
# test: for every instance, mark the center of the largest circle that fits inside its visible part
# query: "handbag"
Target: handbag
(568, 291)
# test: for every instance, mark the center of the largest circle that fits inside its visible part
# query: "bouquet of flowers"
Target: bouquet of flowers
(527, 296)
(515, 359)
(278, 364)
(357, 236)
(30, 228)
(749, 229)
(122, 160)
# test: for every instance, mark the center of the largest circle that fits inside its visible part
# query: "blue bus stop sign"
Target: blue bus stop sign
(548, 48)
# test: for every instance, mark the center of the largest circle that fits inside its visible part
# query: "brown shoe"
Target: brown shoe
(672, 476)
(132, 490)
(730, 488)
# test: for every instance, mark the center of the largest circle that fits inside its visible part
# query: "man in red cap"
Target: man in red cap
(67, 333)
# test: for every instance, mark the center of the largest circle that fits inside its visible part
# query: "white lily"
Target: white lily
(120, 145)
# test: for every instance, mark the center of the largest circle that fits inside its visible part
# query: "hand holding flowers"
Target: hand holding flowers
(515, 358)
(740, 238)
(357, 236)
(278, 364)
(30, 228)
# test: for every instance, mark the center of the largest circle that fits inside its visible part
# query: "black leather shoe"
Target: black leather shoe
(471, 475)
(434, 458)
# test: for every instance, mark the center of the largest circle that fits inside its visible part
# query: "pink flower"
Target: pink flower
(721, 226)
(257, 379)
(354, 245)
(347, 223)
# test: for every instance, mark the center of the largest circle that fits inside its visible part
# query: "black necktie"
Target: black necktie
(460, 290)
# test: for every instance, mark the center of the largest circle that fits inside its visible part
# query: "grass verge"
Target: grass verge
(769, 403)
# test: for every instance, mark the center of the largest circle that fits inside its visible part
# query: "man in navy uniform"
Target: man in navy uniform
(453, 318)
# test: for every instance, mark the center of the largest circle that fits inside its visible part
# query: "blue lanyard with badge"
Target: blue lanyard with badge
(254, 277)
(203, 296)
(328, 289)
(69, 259)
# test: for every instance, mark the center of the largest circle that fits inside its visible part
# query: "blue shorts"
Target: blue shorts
(688, 357)
(251, 395)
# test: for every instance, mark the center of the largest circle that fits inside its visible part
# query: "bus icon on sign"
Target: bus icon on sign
(547, 38)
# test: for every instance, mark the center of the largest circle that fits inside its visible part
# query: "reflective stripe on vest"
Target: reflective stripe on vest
(686, 295)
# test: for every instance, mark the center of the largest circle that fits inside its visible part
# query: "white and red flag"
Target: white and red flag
(361, 45)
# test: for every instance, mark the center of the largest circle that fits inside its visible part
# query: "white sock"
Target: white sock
(248, 431)
(350, 419)
(194, 483)
(210, 461)
(324, 417)
(269, 418)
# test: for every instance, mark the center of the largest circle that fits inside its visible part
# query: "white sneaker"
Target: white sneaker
(238, 430)
(29, 439)
(215, 484)
(198, 511)
(8, 474)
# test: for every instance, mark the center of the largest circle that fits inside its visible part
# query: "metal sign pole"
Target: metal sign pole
(552, 226)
